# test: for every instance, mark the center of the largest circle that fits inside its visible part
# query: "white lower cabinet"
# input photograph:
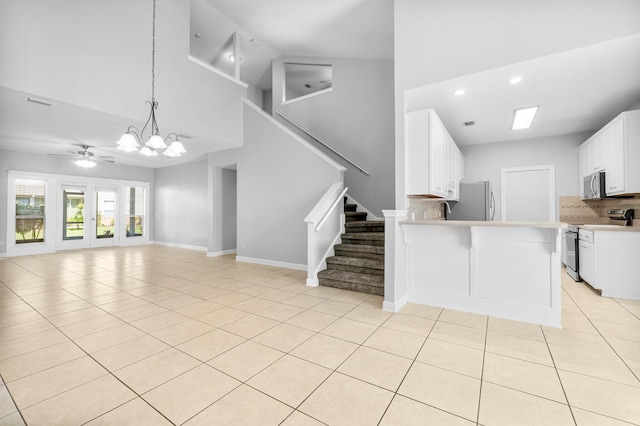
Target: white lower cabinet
(609, 262)
(586, 257)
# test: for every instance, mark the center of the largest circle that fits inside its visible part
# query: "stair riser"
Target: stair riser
(359, 254)
(364, 229)
(362, 288)
(357, 269)
(362, 242)
(355, 216)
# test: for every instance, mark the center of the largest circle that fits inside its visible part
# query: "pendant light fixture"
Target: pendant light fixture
(134, 140)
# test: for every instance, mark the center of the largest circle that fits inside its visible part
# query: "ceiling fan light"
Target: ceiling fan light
(148, 152)
(85, 163)
(156, 142)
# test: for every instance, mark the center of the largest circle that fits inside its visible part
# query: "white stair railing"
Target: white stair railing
(325, 224)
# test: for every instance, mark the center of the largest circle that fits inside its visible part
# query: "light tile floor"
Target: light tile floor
(155, 335)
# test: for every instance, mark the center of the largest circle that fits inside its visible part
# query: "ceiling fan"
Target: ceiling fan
(85, 158)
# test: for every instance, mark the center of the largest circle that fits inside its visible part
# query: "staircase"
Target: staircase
(358, 264)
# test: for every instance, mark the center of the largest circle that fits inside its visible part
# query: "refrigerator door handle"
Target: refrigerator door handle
(492, 207)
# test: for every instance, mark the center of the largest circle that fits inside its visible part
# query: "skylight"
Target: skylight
(524, 117)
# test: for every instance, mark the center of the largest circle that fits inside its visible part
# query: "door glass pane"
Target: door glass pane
(30, 203)
(73, 214)
(105, 208)
(135, 202)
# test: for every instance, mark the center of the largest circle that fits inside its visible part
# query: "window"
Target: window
(30, 203)
(135, 205)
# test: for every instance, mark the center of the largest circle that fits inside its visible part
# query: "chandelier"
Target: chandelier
(134, 140)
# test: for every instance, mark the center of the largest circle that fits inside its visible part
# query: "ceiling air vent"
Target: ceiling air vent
(468, 123)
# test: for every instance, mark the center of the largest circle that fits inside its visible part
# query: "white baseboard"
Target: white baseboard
(394, 306)
(221, 253)
(271, 263)
(184, 246)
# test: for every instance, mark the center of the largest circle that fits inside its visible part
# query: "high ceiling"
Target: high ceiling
(577, 90)
(577, 87)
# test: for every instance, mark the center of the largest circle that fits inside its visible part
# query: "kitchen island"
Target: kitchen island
(504, 269)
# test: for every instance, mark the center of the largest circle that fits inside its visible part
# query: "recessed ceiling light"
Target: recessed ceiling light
(197, 35)
(524, 117)
(515, 80)
(459, 92)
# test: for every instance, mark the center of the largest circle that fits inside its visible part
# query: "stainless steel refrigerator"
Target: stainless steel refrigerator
(476, 202)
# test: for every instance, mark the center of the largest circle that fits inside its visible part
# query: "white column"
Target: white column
(395, 270)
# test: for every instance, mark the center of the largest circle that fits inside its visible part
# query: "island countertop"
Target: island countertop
(484, 223)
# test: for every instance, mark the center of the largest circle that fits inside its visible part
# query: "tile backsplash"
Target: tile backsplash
(575, 210)
(423, 208)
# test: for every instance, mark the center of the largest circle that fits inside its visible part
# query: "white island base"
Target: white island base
(503, 269)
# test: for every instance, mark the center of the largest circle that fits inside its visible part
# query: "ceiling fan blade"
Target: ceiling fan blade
(62, 155)
(106, 159)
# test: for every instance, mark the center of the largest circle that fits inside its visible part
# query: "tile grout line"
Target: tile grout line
(555, 367)
(606, 340)
(6, 389)
(484, 354)
(96, 361)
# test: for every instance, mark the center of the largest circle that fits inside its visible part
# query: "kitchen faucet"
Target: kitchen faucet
(448, 208)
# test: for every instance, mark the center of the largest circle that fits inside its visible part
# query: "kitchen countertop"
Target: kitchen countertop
(485, 223)
(614, 228)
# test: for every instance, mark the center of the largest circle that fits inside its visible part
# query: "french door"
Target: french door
(88, 217)
(57, 212)
(104, 223)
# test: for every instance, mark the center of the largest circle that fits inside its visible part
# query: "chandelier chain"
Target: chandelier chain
(153, 55)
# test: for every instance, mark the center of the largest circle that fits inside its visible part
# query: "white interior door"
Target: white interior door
(528, 194)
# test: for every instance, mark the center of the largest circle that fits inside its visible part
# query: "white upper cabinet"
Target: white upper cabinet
(614, 159)
(614, 149)
(433, 161)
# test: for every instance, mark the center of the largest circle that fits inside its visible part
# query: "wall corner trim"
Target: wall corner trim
(221, 253)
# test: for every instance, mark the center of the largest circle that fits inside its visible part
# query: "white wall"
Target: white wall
(20, 161)
(635, 105)
(97, 55)
(439, 40)
(229, 209)
(279, 182)
(484, 162)
(355, 118)
(181, 197)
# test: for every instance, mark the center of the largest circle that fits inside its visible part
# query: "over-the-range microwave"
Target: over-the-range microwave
(593, 186)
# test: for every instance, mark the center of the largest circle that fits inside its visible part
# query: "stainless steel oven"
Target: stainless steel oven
(572, 252)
